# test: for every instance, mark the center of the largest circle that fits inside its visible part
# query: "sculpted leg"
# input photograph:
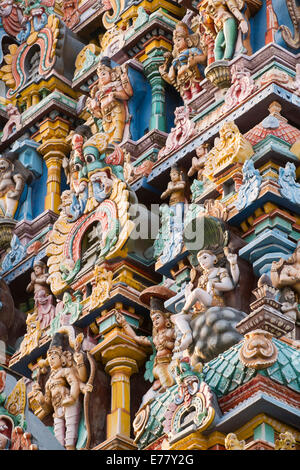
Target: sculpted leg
(219, 46)
(72, 416)
(230, 34)
(197, 295)
(182, 321)
(59, 430)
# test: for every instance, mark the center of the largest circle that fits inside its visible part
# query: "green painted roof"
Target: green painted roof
(226, 373)
(154, 427)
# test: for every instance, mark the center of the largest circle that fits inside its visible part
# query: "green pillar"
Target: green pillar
(264, 432)
(158, 108)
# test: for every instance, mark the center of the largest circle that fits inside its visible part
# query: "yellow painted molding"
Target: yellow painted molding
(247, 431)
(269, 207)
(157, 43)
(150, 7)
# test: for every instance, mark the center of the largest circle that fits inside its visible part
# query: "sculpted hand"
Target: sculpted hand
(87, 388)
(68, 401)
(120, 319)
(188, 289)
(231, 257)
(14, 194)
(78, 357)
(37, 394)
(243, 26)
(210, 286)
(191, 61)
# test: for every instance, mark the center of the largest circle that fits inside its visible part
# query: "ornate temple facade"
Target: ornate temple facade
(149, 225)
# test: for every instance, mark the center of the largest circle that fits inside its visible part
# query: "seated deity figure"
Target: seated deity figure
(224, 20)
(183, 71)
(213, 282)
(287, 180)
(286, 272)
(108, 100)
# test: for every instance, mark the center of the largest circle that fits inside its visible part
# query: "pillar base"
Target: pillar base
(118, 442)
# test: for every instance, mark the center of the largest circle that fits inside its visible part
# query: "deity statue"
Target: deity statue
(108, 100)
(286, 272)
(32, 336)
(198, 162)
(289, 304)
(250, 189)
(12, 184)
(176, 188)
(232, 442)
(213, 282)
(198, 167)
(230, 148)
(183, 131)
(169, 241)
(287, 180)
(14, 122)
(16, 254)
(223, 21)
(286, 441)
(44, 307)
(71, 14)
(183, 72)
(67, 311)
(74, 202)
(163, 337)
(242, 86)
(67, 380)
(39, 278)
(102, 283)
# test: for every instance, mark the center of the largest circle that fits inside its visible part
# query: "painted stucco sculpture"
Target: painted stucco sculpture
(285, 272)
(13, 177)
(162, 341)
(181, 68)
(227, 24)
(108, 100)
(68, 378)
(213, 281)
(136, 135)
(250, 188)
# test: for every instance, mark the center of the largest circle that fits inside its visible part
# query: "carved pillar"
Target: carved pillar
(158, 108)
(53, 149)
(118, 421)
(122, 358)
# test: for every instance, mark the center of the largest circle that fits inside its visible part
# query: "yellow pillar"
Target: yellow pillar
(122, 358)
(54, 148)
(118, 421)
(35, 99)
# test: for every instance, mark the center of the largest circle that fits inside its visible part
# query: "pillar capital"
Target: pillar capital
(53, 148)
(57, 129)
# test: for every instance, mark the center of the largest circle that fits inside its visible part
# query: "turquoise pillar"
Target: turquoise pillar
(158, 107)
